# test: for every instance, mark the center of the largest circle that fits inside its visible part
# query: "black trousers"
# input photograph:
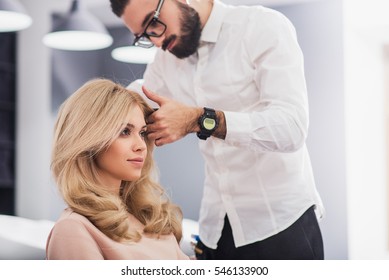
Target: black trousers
(301, 241)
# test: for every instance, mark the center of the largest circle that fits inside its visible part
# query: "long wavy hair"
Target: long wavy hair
(87, 123)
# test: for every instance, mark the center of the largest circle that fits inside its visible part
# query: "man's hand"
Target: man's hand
(172, 121)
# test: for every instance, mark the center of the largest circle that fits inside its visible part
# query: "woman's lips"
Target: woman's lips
(136, 161)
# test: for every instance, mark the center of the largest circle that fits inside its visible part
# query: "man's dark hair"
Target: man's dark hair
(118, 6)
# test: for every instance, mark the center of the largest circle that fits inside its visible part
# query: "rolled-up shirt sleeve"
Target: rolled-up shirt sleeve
(281, 123)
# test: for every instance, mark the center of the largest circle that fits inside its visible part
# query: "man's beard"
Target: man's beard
(189, 40)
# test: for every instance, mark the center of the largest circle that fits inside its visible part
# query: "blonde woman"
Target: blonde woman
(102, 162)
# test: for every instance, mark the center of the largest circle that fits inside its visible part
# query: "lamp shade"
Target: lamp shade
(134, 54)
(13, 16)
(79, 30)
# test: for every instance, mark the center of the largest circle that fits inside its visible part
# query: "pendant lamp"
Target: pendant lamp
(13, 16)
(134, 54)
(78, 30)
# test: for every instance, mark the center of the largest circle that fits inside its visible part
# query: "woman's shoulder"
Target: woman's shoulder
(69, 214)
(73, 222)
(73, 237)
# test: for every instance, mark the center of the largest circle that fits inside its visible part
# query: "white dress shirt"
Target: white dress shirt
(251, 67)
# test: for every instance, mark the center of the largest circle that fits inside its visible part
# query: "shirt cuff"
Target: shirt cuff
(239, 128)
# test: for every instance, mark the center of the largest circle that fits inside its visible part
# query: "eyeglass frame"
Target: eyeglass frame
(144, 34)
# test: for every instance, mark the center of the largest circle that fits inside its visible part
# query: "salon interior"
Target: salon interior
(346, 50)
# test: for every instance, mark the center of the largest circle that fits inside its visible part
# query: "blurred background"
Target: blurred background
(346, 49)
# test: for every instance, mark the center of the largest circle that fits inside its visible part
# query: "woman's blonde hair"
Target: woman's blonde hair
(88, 122)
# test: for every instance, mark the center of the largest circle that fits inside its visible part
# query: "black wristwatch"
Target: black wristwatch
(208, 123)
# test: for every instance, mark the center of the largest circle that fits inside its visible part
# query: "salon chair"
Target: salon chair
(23, 239)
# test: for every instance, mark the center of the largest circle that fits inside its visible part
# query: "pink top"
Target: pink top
(74, 237)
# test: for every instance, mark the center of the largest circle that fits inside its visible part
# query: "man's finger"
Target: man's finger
(152, 96)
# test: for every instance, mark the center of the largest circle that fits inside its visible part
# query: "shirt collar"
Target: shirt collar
(213, 26)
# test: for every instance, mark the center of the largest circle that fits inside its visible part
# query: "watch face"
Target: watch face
(209, 124)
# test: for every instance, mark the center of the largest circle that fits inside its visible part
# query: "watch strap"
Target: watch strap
(204, 133)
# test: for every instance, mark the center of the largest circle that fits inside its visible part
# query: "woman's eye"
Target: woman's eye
(143, 133)
(126, 132)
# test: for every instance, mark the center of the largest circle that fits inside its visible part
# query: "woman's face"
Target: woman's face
(124, 159)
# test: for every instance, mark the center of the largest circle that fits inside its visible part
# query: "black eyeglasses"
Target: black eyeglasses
(155, 28)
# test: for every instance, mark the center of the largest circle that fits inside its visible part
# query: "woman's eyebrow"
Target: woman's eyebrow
(130, 125)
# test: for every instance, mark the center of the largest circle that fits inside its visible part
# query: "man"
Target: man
(234, 76)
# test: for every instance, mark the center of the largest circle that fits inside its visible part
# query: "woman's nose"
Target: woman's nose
(139, 144)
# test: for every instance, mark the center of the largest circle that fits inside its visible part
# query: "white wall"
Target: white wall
(366, 32)
(34, 192)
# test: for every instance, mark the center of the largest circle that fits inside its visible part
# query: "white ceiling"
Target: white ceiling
(101, 8)
(234, 2)
(264, 2)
